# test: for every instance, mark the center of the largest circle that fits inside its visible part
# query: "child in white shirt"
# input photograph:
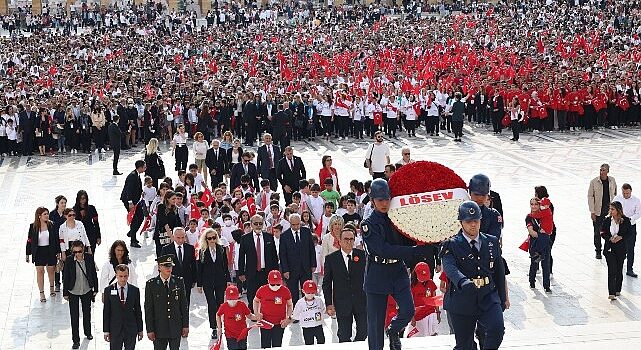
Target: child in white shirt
(309, 310)
(149, 191)
(12, 137)
(315, 204)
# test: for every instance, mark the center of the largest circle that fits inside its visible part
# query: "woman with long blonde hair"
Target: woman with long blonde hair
(155, 166)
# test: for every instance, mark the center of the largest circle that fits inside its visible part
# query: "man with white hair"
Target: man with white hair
(405, 158)
(297, 255)
(185, 259)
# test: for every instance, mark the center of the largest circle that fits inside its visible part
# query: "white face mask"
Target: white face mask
(274, 288)
(227, 222)
(232, 303)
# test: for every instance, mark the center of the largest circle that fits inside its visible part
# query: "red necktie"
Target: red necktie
(264, 201)
(122, 295)
(258, 253)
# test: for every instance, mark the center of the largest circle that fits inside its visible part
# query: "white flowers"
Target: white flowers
(430, 222)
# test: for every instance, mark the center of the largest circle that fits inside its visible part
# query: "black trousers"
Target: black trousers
(391, 126)
(614, 259)
(344, 318)
(260, 279)
(117, 341)
(181, 156)
(326, 120)
(215, 297)
(99, 137)
(294, 283)
(28, 139)
(161, 344)
(273, 180)
(74, 304)
(342, 125)
(561, 117)
(543, 247)
(116, 157)
(431, 123)
(234, 344)
(496, 121)
(596, 225)
(491, 321)
(630, 242)
(309, 334)
(250, 133)
(515, 129)
(136, 222)
(457, 127)
(271, 338)
(358, 129)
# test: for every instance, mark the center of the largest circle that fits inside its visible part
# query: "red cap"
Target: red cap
(422, 270)
(231, 293)
(310, 287)
(274, 277)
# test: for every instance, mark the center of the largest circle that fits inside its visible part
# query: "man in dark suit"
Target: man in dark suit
(80, 286)
(497, 108)
(256, 257)
(166, 307)
(242, 168)
(279, 127)
(27, 126)
(343, 287)
(185, 259)
(216, 163)
(289, 172)
(268, 157)
(121, 313)
(297, 255)
(115, 135)
(130, 196)
(251, 117)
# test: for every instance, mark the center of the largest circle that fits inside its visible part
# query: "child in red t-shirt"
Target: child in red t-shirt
(427, 317)
(235, 314)
(545, 216)
(273, 302)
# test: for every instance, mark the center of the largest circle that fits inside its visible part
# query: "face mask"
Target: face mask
(309, 296)
(274, 288)
(227, 222)
(232, 303)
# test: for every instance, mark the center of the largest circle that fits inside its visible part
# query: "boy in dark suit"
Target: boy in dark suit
(122, 314)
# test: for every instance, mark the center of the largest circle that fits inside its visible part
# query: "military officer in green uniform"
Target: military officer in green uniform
(166, 308)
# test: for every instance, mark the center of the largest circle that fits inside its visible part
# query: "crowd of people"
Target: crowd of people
(283, 75)
(343, 73)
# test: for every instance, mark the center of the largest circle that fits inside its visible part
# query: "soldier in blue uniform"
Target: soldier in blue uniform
(386, 271)
(476, 278)
(492, 221)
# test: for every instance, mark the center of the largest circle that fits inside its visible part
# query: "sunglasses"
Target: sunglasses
(406, 154)
(348, 239)
(245, 160)
(274, 285)
(71, 215)
(212, 238)
(77, 251)
(257, 223)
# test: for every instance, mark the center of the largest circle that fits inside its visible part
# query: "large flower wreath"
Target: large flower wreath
(425, 200)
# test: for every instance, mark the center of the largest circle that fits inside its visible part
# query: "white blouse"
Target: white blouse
(614, 228)
(68, 235)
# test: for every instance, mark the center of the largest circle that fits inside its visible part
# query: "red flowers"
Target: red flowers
(356, 259)
(423, 176)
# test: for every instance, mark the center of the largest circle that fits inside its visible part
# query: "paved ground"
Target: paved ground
(563, 162)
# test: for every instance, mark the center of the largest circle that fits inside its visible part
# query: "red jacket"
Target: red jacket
(324, 173)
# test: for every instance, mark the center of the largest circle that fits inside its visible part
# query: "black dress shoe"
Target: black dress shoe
(632, 274)
(548, 290)
(598, 256)
(116, 172)
(135, 245)
(75, 346)
(214, 334)
(394, 340)
(90, 337)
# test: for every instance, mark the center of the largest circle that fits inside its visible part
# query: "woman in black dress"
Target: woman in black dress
(614, 229)
(213, 273)
(43, 132)
(44, 244)
(88, 215)
(72, 133)
(166, 219)
(155, 166)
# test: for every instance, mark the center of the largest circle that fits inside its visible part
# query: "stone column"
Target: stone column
(36, 6)
(4, 7)
(205, 6)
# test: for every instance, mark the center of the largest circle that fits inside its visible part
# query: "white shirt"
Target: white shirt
(43, 238)
(346, 259)
(149, 193)
(68, 235)
(107, 273)
(379, 154)
(200, 149)
(309, 312)
(631, 207)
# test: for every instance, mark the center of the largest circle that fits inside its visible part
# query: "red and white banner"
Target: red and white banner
(428, 197)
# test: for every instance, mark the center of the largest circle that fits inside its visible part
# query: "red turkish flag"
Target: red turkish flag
(525, 246)
(207, 197)
(216, 345)
(436, 301)
(194, 212)
(130, 214)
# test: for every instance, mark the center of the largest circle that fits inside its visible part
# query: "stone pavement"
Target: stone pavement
(564, 163)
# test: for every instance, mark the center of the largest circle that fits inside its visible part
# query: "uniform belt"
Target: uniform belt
(379, 260)
(181, 144)
(480, 282)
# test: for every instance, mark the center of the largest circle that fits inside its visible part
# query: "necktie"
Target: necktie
(167, 286)
(269, 154)
(296, 238)
(216, 154)
(258, 253)
(349, 258)
(291, 164)
(264, 201)
(475, 251)
(180, 254)
(122, 295)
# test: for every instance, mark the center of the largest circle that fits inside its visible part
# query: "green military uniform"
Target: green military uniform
(166, 308)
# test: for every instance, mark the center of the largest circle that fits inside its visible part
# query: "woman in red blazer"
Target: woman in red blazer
(327, 171)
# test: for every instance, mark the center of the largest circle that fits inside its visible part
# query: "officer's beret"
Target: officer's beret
(167, 260)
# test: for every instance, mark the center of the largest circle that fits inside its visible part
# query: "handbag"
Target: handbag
(161, 167)
(369, 158)
(59, 265)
